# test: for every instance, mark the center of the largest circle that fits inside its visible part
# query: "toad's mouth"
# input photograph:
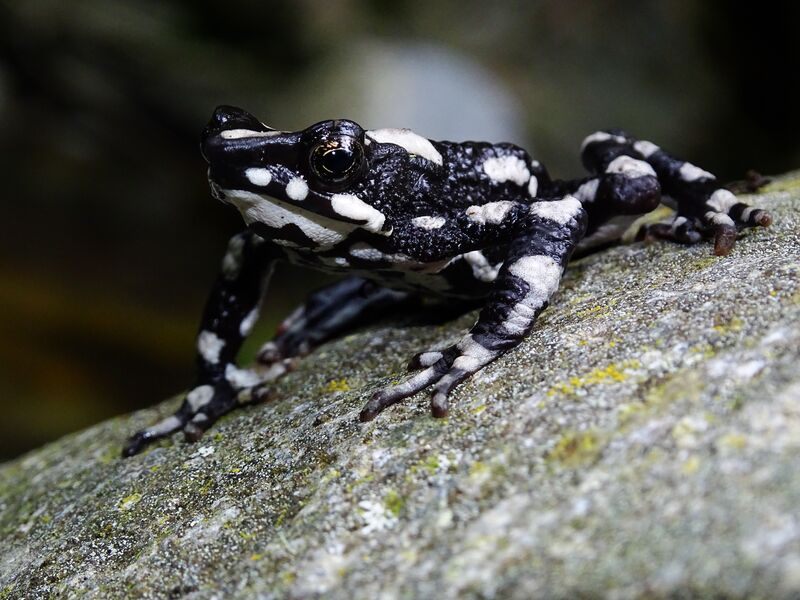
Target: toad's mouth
(287, 224)
(294, 195)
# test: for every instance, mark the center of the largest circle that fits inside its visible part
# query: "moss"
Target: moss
(128, 502)
(207, 486)
(574, 449)
(431, 464)
(394, 503)
(6, 592)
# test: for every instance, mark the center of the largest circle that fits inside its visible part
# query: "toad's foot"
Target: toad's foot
(723, 216)
(441, 370)
(206, 403)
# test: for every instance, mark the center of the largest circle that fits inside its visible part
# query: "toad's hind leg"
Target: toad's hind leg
(328, 313)
(704, 208)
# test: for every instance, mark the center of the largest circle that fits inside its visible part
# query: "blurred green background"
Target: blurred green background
(109, 239)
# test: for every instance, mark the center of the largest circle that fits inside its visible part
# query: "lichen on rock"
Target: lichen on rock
(643, 441)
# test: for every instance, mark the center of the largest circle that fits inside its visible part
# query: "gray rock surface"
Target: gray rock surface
(644, 441)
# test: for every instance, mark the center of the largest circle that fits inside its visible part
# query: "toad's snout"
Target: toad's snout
(228, 123)
(231, 117)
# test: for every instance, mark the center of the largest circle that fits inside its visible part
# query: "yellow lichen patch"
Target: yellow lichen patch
(337, 385)
(329, 476)
(578, 298)
(128, 502)
(627, 412)
(479, 474)
(589, 311)
(781, 185)
(686, 431)
(690, 465)
(576, 448)
(734, 441)
(288, 577)
(478, 469)
(733, 325)
(705, 349)
(706, 261)
(563, 388)
(608, 374)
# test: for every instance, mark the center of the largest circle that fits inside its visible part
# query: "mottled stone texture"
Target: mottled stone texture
(644, 441)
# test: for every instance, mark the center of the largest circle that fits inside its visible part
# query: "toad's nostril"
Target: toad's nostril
(227, 117)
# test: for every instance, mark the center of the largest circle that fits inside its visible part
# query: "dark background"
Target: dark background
(109, 238)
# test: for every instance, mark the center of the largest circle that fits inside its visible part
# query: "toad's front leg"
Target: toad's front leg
(542, 242)
(230, 312)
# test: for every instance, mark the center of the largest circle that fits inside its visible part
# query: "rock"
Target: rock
(644, 441)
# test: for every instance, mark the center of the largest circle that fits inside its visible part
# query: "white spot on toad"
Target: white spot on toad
(297, 189)
(258, 176)
(209, 345)
(493, 212)
(405, 138)
(507, 168)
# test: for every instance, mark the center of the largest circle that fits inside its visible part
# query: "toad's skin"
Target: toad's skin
(405, 216)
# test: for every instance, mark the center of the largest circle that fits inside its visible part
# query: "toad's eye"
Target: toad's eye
(336, 163)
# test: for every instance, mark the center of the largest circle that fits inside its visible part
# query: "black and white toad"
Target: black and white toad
(405, 216)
